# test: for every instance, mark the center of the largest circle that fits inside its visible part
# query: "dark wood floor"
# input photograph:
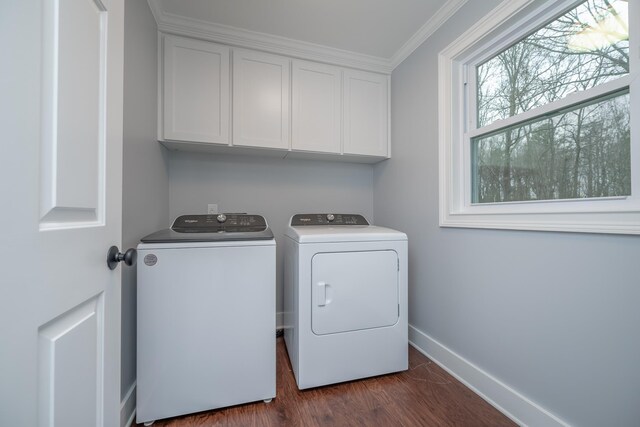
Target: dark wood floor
(425, 395)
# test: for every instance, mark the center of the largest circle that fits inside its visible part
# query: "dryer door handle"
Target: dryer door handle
(321, 294)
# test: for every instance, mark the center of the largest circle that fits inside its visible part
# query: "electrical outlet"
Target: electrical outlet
(212, 208)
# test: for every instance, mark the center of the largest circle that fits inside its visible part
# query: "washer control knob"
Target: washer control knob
(330, 217)
(221, 218)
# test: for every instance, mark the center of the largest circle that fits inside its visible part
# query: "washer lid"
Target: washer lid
(213, 228)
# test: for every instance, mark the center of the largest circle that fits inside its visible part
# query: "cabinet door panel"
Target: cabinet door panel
(316, 114)
(260, 100)
(196, 91)
(365, 113)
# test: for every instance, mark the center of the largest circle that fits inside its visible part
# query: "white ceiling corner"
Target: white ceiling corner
(189, 22)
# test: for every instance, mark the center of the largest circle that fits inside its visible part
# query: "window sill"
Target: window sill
(607, 223)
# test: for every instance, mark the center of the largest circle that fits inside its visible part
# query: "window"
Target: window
(537, 104)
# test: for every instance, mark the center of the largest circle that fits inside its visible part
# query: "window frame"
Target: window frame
(508, 23)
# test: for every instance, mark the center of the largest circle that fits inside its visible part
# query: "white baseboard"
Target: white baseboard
(279, 320)
(514, 405)
(128, 407)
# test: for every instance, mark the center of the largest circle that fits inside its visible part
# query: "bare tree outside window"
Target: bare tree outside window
(577, 152)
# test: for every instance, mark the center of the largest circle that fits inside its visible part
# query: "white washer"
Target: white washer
(206, 315)
(345, 299)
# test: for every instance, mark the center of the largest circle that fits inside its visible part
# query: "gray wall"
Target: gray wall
(275, 188)
(553, 315)
(145, 195)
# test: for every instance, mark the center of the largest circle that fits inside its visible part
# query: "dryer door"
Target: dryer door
(353, 291)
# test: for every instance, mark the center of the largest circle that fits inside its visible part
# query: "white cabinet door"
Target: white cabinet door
(260, 99)
(366, 113)
(196, 91)
(316, 113)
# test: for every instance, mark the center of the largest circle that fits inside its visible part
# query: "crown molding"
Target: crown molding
(180, 25)
(431, 26)
(196, 28)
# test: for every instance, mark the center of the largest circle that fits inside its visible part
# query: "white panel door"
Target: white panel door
(316, 110)
(196, 90)
(260, 99)
(366, 113)
(352, 291)
(60, 184)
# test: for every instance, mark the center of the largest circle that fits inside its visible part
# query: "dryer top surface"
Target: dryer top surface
(343, 233)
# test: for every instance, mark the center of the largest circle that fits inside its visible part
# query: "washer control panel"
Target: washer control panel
(221, 223)
(327, 219)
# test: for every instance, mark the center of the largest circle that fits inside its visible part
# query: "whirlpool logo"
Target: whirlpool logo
(150, 260)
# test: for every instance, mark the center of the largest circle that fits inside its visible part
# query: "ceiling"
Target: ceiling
(381, 29)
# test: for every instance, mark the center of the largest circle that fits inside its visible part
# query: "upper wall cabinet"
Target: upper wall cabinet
(317, 107)
(195, 92)
(260, 99)
(275, 105)
(366, 113)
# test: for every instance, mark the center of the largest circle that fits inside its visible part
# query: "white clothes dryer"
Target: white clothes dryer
(206, 315)
(345, 299)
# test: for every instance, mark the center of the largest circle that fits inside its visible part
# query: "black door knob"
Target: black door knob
(114, 256)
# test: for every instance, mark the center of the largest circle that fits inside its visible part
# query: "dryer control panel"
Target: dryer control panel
(327, 219)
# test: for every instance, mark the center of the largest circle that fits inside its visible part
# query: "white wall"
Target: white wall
(275, 188)
(554, 316)
(145, 195)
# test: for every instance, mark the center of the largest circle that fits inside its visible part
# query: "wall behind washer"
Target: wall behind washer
(145, 195)
(554, 316)
(273, 187)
